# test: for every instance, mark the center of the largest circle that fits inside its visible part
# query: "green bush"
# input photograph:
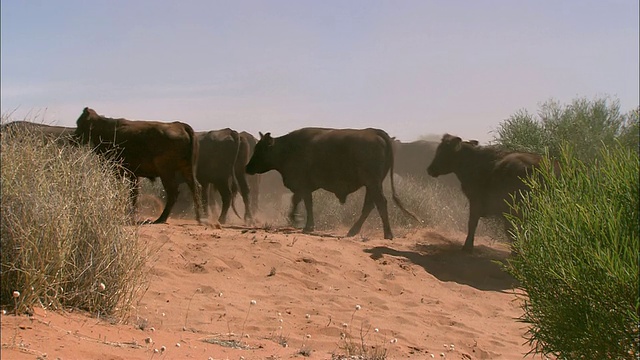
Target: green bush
(577, 249)
(586, 125)
(66, 235)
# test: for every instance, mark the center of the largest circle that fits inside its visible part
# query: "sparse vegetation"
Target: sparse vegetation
(66, 240)
(358, 346)
(587, 125)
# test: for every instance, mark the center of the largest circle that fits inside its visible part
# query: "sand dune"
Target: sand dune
(419, 291)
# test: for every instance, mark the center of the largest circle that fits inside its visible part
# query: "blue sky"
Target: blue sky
(410, 67)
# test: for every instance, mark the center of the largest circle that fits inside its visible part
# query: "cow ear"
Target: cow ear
(261, 135)
(473, 142)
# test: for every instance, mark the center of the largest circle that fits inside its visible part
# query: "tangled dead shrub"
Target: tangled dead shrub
(67, 241)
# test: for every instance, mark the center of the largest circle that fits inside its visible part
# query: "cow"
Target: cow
(491, 178)
(60, 134)
(147, 149)
(337, 160)
(248, 184)
(223, 156)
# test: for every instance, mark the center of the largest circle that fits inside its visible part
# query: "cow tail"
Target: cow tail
(234, 179)
(390, 159)
(194, 161)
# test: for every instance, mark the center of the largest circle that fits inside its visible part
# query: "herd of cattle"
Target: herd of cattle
(340, 161)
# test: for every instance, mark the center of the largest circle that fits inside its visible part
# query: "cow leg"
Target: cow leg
(295, 200)
(308, 206)
(133, 197)
(171, 188)
(225, 196)
(366, 210)
(194, 186)
(381, 205)
(474, 216)
(205, 198)
(245, 191)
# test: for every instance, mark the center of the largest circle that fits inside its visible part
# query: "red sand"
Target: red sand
(419, 290)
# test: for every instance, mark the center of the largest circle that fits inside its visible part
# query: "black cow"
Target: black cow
(216, 161)
(490, 177)
(146, 149)
(337, 160)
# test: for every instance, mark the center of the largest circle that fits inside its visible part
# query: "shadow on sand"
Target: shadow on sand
(444, 259)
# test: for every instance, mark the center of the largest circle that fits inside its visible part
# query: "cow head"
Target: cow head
(446, 156)
(261, 161)
(83, 125)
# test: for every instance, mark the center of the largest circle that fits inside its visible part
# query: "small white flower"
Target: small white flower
(432, 356)
(152, 329)
(280, 320)
(253, 302)
(163, 314)
(156, 351)
(307, 316)
(16, 294)
(220, 295)
(4, 312)
(376, 330)
(308, 336)
(344, 325)
(163, 348)
(394, 340)
(441, 354)
(148, 340)
(177, 344)
(102, 286)
(358, 307)
(279, 314)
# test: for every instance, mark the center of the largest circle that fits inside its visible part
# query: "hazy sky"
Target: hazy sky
(409, 67)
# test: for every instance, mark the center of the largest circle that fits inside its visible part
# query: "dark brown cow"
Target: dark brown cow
(248, 184)
(62, 135)
(337, 160)
(146, 149)
(488, 175)
(223, 155)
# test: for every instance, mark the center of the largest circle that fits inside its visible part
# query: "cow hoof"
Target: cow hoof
(307, 230)
(388, 237)
(467, 249)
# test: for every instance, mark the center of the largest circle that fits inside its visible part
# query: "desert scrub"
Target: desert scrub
(67, 239)
(577, 249)
(585, 124)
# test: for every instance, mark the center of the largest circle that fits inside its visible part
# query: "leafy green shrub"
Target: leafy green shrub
(66, 235)
(577, 249)
(586, 125)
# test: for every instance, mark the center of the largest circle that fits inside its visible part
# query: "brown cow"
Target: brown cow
(223, 157)
(489, 177)
(337, 160)
(248, 184)
(146, 149)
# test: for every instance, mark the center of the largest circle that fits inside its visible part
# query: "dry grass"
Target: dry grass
(67, 239)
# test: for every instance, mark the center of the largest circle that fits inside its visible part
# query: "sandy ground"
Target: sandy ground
(316, 296)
